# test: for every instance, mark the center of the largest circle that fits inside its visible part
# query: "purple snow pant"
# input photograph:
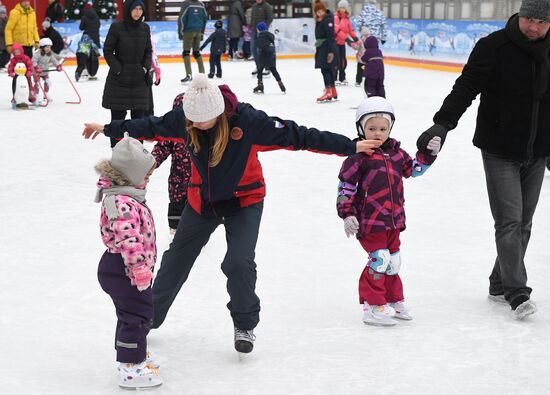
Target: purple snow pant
(134, 309)
(374, 87)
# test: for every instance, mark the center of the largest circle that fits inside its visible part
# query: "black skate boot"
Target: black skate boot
(282, 86)
(211, 75)
(76, 76)
(244, 340)
(259, 88)
(188, 78)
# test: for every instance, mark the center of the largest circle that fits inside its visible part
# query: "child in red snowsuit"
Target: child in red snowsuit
(370, 200)
(20, 57)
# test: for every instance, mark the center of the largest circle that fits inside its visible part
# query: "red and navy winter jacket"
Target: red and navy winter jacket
(371, 187)
(237, 181)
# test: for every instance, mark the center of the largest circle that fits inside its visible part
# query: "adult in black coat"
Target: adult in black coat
(90, 24)
(128, 53)
(326, 51)
(511, 70)
(54, 11)
(52, 34)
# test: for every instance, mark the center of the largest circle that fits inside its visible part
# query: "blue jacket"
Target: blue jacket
(192, 17)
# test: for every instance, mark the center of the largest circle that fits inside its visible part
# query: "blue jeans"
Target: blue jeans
(513, 187)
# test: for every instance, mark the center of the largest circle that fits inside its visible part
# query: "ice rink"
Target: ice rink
(57, 325)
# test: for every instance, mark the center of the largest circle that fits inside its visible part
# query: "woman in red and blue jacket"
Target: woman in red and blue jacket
(227, 187)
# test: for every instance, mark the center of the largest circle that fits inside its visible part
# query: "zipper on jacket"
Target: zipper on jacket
(390, 187)
(208, 177)
(534, 117)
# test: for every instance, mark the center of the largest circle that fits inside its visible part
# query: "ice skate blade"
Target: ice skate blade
(403, 317)
(140, 388)
(386, 323)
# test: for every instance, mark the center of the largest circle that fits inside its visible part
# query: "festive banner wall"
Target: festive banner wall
(447, 41)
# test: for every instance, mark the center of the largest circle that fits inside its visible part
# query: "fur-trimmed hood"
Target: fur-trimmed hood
(105, 170)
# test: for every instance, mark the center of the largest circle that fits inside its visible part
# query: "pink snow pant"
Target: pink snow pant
(378, 288)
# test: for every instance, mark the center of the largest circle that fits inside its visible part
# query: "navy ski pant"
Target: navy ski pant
(134, 309)
(514, 189)
(241, 229)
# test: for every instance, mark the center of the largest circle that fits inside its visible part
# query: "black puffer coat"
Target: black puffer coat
(512, 75)
(324, 35)
(57, 40)
(128, 52)
(266, 49)
(89, 24)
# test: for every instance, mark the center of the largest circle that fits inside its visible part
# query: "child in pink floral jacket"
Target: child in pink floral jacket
(126, 268)
(371, 202)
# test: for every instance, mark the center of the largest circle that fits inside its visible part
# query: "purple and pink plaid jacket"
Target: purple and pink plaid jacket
(371, 187)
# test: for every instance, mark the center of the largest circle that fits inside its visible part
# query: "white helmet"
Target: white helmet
(374, 106)
(45, 41)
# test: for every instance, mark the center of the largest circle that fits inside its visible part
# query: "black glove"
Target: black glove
(355, 39)
(433, 131)
(383, 42)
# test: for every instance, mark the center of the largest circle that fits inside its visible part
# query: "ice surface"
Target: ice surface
(57, 325)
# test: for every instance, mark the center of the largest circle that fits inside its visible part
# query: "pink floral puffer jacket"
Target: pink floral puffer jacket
(132, 235)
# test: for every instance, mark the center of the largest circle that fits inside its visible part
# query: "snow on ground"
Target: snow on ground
(57, 325)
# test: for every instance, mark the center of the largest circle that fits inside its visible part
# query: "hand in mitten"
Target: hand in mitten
(351, 226)
(142, 276)
(157, 76)
(59, 67)
(330, 57)
(383, 42)
(355, 39)
(434, 145)
(425, 138)
(38, 70)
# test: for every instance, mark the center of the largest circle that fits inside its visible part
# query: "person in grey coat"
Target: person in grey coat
(235, 24)
(262, 11)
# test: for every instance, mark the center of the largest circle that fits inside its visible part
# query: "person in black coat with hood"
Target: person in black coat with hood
(266, 57)
(128, 53)
(89, 23)
(52, 34)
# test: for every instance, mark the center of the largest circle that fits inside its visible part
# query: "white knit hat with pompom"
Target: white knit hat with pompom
(203, 100)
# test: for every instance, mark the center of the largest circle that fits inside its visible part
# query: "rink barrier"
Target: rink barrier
(388, 60)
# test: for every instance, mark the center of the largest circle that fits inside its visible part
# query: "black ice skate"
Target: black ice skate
(188, 78)
(244, 340)
(259, 88)
(282, 86)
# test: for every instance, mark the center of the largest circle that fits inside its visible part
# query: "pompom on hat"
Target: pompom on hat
(132, 160)
(203, 100)
(89, 4)
(536, 9)
(344, 4)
